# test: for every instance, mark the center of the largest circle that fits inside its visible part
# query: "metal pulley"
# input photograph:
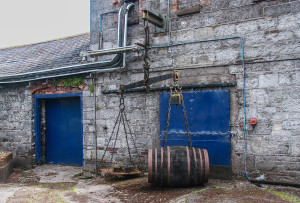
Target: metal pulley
(170, 175)
(176, 98)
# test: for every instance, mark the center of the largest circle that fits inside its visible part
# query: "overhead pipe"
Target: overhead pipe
(124, 49)
(74, 69)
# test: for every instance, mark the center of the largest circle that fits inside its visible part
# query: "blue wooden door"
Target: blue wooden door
(208, 119)
(64, 143)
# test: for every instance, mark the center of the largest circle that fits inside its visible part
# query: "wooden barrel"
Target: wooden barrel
(182, 166)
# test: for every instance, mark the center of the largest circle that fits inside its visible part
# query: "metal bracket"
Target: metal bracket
(160, 21)
(165, 22)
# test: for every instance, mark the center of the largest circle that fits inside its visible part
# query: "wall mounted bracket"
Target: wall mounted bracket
(160, 21)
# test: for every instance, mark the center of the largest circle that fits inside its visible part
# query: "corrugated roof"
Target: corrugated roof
(43, 56)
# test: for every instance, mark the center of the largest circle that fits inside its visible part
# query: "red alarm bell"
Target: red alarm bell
(253, 121)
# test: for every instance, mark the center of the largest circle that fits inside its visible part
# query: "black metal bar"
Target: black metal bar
(274, 183)
(151, 81)
(232, 84)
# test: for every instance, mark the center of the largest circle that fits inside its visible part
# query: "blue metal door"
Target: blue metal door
(208, 119)
(64, 131)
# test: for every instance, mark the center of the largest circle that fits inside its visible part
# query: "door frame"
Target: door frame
(37, 117)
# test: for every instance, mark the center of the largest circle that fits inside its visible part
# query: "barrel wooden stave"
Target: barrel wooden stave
(183, 166)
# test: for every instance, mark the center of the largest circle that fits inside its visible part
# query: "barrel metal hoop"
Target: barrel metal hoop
(206, 165)
(196, 166)
(189, 164)
(169, 165)
(201, 166)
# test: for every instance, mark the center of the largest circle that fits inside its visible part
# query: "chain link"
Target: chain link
(177, 90)
(121, 118)
(162, 175)
(133, 140)
(146, 66)
(146, 76)
(185, 120)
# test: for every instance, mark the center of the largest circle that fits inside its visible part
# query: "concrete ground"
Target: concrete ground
(55, 183)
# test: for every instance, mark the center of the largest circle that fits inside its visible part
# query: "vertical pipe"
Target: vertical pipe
(125, 32)
(244, 101)
(169, 23)
(95, 124)
(100, 27)
(119, 26)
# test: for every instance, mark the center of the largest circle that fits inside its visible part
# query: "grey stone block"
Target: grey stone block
(277, 10)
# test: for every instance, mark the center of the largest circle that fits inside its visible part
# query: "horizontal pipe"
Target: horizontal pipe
(65, 74)
(275, 183)
(132, 48)
(223, 65)
(168, 88)
(192, 42)
(69, 70)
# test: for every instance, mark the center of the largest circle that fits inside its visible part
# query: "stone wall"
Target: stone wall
(16, 123)
(141, 111)
(270, 33)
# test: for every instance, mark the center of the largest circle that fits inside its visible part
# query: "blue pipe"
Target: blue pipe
(100, 27)
(244, 85)
(244, 99)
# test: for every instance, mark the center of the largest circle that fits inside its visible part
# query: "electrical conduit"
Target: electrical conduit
(113, 64)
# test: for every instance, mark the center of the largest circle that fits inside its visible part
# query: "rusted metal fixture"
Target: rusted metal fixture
(184, 166)
(120, 171)
(160, 21)
(152, 18)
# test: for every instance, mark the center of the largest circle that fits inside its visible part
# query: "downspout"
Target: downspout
(125, 33)
(95, 123)
(169, 22)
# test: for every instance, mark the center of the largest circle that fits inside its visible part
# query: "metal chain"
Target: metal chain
(133, 140)
(112, 133)
(121, 118)
(185, 119)
(121, 107)
(189, 136)
(146, 64)
(128, 148)
(177, 89)
(117, 133)
(166, 139)
(146, 75)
